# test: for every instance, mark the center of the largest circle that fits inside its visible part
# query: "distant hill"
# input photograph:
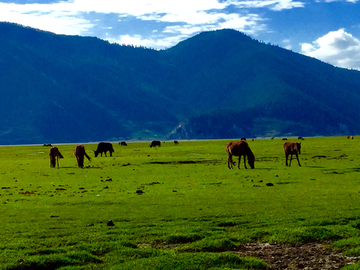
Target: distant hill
(219, 84)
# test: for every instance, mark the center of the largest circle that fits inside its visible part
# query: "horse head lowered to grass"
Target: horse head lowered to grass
(292, 148)
(239, 148)
(54, 157)
(80, 153)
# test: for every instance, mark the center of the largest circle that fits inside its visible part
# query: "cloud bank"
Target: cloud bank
(338, 48)
(174, 18)
(162, 24)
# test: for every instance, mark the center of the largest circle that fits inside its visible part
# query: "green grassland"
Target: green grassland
(176, 206)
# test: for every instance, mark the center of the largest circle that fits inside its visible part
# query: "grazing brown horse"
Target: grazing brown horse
(292, 148)
(239, 148)
(54, 157)
(79, 153)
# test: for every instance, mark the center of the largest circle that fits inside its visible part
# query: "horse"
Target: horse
(292, 148)
(239, 148)
(176, 142)
(79, 153)
(54, 157)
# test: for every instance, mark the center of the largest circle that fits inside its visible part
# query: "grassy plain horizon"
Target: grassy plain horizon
(173, 201)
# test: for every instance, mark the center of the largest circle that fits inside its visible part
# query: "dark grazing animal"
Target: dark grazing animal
(155, 143)
(103, 147)
(123, 143)
(239, 148)
(292, 148)
(47, 144)
(79, 153)
(176, 142)
(54, 157)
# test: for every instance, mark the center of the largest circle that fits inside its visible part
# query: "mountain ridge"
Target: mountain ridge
(218, 84)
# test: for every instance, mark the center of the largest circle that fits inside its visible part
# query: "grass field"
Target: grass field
(176, 206)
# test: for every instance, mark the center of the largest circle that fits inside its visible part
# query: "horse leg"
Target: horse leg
(229, 163)
(245, 161)
(79, 162)
(57, 161)
(291, 157)
(286, 159)
(297, 157)
(239, 162)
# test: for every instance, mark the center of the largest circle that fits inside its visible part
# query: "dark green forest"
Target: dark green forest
(218, 84)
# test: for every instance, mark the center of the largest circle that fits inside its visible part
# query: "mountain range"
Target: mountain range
(218, 84)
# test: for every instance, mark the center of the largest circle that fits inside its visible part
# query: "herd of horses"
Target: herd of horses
(234, 148)
(241, 149)
(79, 153)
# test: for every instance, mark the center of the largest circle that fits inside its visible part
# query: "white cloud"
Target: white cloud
(250, 23)
(67, 17)
(338, 48)
(137, 40)
(133, 40)
(287, 44)
(45, 17)
(275, 5)
(287, 4)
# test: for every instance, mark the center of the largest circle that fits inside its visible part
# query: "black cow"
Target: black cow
(155, 143)
(123, 143)
(103, 147)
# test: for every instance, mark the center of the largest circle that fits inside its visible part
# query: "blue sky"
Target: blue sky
(325, 29)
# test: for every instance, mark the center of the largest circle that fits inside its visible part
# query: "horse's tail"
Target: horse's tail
(60, 155)
(229, 154)
(299, 147)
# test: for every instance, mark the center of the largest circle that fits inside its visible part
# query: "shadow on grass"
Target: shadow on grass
(184, 162)
(75, 167)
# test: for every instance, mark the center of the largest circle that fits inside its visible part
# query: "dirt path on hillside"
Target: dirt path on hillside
(309, 256)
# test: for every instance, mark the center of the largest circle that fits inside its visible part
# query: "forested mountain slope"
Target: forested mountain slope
(218, 84)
